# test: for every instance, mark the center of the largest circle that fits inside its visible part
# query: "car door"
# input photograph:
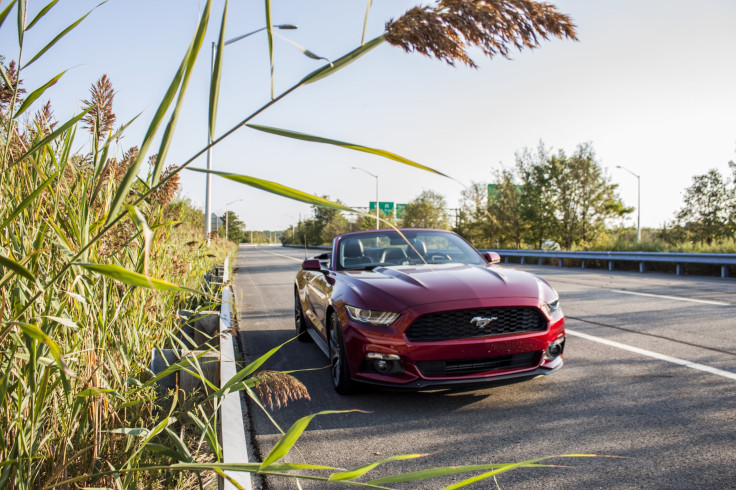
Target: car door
(318, 292)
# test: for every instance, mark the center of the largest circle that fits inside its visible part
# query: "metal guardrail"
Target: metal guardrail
(679, 259)
(643, 258)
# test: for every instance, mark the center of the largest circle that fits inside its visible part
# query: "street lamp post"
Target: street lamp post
(208, 182)
(376, 177)
(638, 202)
(227, 227)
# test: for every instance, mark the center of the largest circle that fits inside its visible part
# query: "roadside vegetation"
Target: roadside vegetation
(550, 199)
(76, 344)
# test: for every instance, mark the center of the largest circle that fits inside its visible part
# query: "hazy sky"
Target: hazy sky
(650, 84)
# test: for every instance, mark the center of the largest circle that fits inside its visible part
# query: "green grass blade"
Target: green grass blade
(4, 15)
(133, 278)
(509, 467)
(181, 447)
(269, 31)
(360, 471)
(130, 176)
(305, 51)
(63, 321)
(340, 63)
(28, 200)
(14, 266)
(216, 74)
(40, 15)
(189, 69)
(278, 189)
(36, 94)
(248, 370)
(287, 441)
(22, 9)
(442, 471)
(350, 146)
(179, 365)
(4, 75)
(52, 136)
(34, 332)
(365, 20)
(62, 34)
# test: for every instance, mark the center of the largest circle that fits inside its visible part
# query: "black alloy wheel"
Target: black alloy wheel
(299, 320)
(339, 369)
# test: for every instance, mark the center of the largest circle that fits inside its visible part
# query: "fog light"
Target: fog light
(555, 349)
(383, 363)
(382, 366)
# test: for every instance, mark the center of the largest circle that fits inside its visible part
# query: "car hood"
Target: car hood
(416, 285)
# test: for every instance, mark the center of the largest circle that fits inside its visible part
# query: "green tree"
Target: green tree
(428, 210)
(538, 198)
(368, 221)
(473, 221)
(504, 207)
(566, 198)
(705, 211)
(585, 196)
(233, 228)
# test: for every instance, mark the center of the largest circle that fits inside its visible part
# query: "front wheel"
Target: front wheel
(339, 369)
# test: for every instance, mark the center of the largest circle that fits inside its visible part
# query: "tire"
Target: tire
(300, 322)
(339, 370)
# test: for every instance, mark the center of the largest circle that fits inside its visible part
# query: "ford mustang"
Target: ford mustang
(420, 309)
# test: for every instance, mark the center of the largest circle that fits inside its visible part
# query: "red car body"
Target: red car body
(407, 315)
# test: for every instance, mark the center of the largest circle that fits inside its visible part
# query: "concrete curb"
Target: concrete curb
(234, 447)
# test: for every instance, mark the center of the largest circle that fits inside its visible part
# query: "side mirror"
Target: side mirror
(492, 257)
(311, 265)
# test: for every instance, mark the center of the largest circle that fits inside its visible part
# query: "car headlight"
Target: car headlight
(370, 317)
(552, 306)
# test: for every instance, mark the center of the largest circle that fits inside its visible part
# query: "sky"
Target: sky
(650, 84)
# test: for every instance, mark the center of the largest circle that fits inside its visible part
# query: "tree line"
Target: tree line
(547, 199)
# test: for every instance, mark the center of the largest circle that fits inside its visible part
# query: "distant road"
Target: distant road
(650, 377)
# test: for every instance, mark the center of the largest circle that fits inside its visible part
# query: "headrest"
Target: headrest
(420, 246)
(353, 248)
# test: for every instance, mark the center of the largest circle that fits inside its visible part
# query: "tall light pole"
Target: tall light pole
(208, 182)
(376, 177)
(638, 202)
(227, 227)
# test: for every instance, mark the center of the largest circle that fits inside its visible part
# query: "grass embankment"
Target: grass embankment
(76, 345)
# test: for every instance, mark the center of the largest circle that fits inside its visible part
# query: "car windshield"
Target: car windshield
(388, 248)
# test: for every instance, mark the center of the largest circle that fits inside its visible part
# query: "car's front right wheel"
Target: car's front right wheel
(339, 369)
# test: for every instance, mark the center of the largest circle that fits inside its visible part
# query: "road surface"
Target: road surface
(649, 378)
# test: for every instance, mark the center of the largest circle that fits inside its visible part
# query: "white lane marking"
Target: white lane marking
(282, 255)
(677, 298)
(655, 355)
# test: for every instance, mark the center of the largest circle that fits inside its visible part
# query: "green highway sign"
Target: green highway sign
(400, 211)
(385, 207)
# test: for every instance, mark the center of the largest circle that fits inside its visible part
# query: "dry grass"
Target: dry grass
(446, 31)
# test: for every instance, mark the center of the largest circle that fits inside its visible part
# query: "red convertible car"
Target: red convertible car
(423, 309)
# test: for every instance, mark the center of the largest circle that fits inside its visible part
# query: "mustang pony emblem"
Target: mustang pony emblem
(481, 322)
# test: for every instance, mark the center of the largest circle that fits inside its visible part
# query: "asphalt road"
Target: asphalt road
(649, 378)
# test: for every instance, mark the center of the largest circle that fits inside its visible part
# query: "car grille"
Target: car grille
(457, 324)
(471, 366)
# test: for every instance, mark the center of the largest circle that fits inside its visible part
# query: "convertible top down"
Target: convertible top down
(422, 308)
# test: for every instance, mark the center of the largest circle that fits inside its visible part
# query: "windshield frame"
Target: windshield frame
(355, 252)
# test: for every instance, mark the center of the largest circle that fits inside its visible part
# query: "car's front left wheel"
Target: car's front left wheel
(339, 369)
